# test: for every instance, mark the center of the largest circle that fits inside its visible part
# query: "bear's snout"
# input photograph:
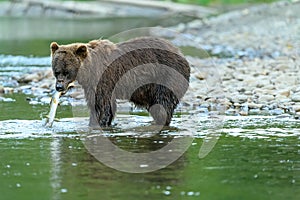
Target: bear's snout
(60, 87)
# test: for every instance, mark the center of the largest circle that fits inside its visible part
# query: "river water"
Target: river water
(233, 157)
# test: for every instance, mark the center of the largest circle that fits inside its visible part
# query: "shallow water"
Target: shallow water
(245, 163)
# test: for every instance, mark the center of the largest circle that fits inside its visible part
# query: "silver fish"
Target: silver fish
(53, 106)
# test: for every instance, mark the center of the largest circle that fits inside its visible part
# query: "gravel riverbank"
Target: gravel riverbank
(254, 69)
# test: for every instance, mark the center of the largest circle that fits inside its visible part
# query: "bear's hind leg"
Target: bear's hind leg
(162, 108)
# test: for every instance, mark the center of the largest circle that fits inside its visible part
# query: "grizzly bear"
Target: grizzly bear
(148, 71)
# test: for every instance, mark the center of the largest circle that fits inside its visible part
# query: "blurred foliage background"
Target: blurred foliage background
(221, 2)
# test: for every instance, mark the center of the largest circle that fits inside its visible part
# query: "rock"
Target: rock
(11, 83)
(296, 97)
(237, 105)
(285, 93)
(8, 90)
(266, 98)
(239, 98)
(297, 115)
(255, 111)
(45, 85)
(48, 74)
(201, 76)
(27, 78)
(7, 99)
(282, 116)
(243, 113)
(248, 92)
(254, 105)
(231, 111)
(276, 111)
(262, 83)
(269, 87)
(45, 100)
(195, 24)
(296, 108)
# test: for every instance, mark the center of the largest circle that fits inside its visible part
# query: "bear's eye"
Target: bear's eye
(65, 73)
(56, 73)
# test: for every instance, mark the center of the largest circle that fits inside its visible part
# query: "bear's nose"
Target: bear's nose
(59, 87)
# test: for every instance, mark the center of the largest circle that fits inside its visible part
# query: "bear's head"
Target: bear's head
(66, 61)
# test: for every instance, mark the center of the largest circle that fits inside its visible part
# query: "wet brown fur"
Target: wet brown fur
(147, 71)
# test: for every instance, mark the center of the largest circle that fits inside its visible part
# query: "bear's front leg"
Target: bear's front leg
(105, 112)
(93, 118)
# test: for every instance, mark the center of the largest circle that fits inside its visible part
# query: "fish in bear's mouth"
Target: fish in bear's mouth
(54, 103)
(64, 90)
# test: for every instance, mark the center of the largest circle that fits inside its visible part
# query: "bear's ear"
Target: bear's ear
(81, 51)
(54, 46)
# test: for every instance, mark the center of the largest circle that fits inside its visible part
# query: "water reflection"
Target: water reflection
(61, 167)
(56, 162)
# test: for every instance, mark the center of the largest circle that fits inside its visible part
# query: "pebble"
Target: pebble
(243, 113)
(285, 93)
(45, 100)
(254, 105)
(239, 98)
(296, 108)
(296, 97)
(8, 90)
(266, 98)
(231, 111)
(254, 111)
(6, 99)
(277, 111)
(166, 192)
(297, 115)
(64, 190)
(29, 78)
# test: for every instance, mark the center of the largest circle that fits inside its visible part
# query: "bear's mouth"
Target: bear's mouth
(69, 86)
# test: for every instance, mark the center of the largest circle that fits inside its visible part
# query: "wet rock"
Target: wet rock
(8, 90)
(45, 100)
(277, 111)
(7, 99)
(282, 116)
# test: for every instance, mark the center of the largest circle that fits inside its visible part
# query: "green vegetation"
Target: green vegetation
(221, 2)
